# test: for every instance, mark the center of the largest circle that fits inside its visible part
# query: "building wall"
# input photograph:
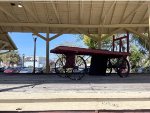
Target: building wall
(39, 62)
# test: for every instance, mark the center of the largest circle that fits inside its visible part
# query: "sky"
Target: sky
(25, 43)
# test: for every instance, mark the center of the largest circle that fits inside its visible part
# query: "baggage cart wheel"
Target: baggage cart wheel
(123, 68)
(109, 67)
(79, 70)
(60, 67)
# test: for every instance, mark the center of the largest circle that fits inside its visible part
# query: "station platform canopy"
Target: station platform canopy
(6, 42)
(90, 17)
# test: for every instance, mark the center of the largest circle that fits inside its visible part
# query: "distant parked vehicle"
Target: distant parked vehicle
(26, 70)
(19, 69)
(38, 70)
(140, 70)
(2, 69)
(10, 70)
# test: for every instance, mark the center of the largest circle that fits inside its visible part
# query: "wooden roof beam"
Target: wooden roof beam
(124, 11)
(56, 12)
(72, 25)
(68, 6)
(113, 32)
(59, 34)
(31, 13)
(132, 12)
(5, 52)
(40, 36)
(104, 18)
(135, 32)
(5, 45)
(142, 18)
(91, 10)
(85, 33)
(80, 11)
(8, 14)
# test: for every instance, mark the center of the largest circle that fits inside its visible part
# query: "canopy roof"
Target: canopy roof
(6, 43)
(73, 16)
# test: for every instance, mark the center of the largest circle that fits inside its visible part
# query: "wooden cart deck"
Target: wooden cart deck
(86, 51)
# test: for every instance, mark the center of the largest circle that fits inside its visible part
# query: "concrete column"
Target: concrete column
(47, 54)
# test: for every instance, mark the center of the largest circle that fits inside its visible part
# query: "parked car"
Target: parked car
(26, 70)
(140, 70)
(19, 69)
(10, 70)
(38, 70)
(2, 69)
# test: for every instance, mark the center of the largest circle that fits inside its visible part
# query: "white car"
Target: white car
(26, 70)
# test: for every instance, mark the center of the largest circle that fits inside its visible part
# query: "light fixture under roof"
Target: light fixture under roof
(20, 5)
(12, 4)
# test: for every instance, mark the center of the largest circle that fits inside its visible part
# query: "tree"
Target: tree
(10, 58)
(141, 43)
(135, 58)
(93, 43)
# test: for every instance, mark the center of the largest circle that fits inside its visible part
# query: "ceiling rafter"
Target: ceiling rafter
(106, 14)
(100, 22)
(37, 34)
(2, 41)
(47, 13)
(5, 52)
(31, 13)
(124, 11)
(133, 11)
(113, 11)
(90, 16)
(135, 32)
(85, 33)
(132, 18)
(91, 11)
(142, 18)
(3, 46)
(104, 18)
(145, 19)
(56, 12)
(113, 32)
(80, 11)
(8, 14)
(26, 15)
(68, 6)
(59, 34)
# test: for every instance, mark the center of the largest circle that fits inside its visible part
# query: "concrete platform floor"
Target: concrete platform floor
(53, 83)
(50, 92)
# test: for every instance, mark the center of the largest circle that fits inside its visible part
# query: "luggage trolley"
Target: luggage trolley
(72, 64)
